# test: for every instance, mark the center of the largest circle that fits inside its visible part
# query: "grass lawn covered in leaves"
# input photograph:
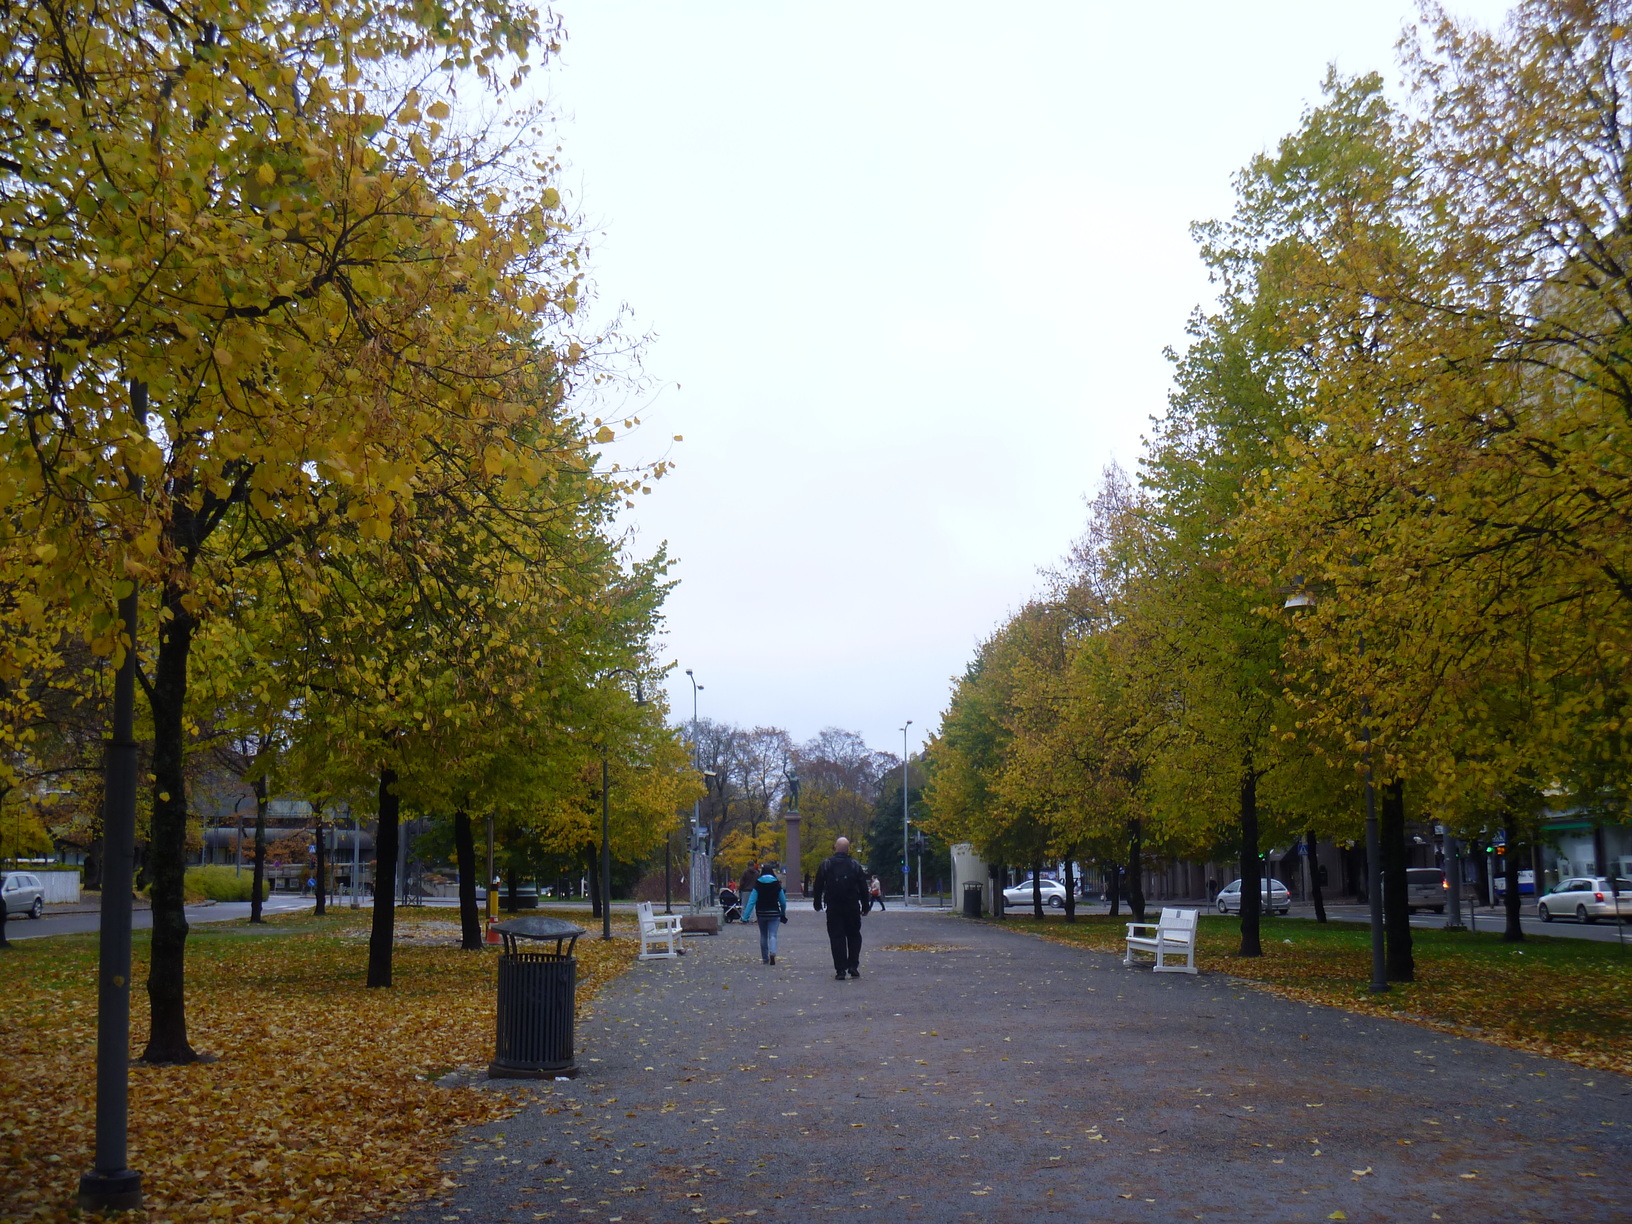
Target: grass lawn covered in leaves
(1569, 998)
(321, 1103)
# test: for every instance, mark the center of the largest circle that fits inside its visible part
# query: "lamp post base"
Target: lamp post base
(121, 1191)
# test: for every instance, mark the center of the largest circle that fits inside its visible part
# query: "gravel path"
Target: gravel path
(981, 1075)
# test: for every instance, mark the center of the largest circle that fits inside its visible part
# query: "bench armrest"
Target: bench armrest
(1142, 926)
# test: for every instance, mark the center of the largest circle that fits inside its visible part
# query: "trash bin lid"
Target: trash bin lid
(539, 928)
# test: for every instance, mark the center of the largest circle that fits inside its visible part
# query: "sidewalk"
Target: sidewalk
(977, 1074)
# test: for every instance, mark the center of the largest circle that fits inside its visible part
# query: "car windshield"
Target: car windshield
(1423, 875)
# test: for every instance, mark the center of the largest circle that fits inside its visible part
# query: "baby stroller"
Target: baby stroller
(731, 904)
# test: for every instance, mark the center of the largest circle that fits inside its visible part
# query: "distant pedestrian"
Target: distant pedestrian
(841, 889)
(875, 890)
(767, 902)
(806, 886)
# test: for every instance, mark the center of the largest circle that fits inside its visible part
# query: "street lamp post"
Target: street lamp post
(606, 816)
(111, 1185)
(906, 871)
(238, 840)
(699, 853)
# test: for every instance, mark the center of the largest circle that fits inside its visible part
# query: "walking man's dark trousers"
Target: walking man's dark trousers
(844, 934)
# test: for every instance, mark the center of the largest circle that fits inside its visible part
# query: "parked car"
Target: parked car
(1587, 899)
(1426, 888)
(1274, 896)
(22, 893)
(1020, 895)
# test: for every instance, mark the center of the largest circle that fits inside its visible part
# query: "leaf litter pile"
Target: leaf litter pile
(1564, 998)
(321, 1103)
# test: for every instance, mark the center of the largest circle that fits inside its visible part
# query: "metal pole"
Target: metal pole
(606, 852)
(1454, 849)
(356, 862)
(111, 1185)
(668, 873)
(697, 904)
(492, 897)
(1374, 874)
(906, 872)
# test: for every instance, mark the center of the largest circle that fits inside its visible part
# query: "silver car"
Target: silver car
(1020, 895)
(1587, 899)
(22, 893)
(1426, 888)
(1273, 897)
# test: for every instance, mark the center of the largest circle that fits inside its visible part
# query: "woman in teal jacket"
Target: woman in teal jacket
(768, 902)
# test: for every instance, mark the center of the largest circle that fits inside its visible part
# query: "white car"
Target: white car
(1587, 899)
(1019, 897)
(1274, 897)
(1426, 888)
(22, 893)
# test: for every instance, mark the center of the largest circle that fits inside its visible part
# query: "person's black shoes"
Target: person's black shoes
(839, 976)
(773, 958)
(855, 973)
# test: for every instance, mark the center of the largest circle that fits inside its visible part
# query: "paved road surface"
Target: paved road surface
(1003, 1078)
(1488, 920)
(89, 920)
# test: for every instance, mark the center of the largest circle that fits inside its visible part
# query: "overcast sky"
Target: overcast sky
(909, 269)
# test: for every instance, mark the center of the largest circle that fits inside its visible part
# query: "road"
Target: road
(1486, 920)
(79, 922)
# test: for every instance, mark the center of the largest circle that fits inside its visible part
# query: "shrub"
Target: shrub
(219, 883)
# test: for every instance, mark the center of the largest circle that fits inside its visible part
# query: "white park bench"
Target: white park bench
(658, 929)
(1174, 933)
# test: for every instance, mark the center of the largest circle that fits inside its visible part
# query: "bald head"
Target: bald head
(842, 846)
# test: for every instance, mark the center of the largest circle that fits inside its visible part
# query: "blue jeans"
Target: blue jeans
(767, 936)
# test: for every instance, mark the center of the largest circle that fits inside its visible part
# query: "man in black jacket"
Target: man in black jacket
(841, 889)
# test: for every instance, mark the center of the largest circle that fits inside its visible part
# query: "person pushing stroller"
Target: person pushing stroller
(730, 903)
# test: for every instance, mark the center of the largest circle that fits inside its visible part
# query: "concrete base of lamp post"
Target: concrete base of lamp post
(121, 1191)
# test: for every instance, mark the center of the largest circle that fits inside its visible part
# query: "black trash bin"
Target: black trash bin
(972, 900)
(536, 996)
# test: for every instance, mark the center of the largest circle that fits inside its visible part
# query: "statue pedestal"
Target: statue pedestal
(791, 869)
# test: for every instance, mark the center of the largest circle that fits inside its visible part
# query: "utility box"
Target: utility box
(537, 993)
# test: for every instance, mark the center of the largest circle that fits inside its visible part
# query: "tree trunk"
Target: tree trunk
(1396, 894)
(1252, 888)
(1315, 894)
(1070, 890)
(1136, 870)
(167, 842)
(510, 887)
(1514, 932)
(318, 910)
(464, 851)
(260, 851)
(1113, 890)
(1037, 890)
(383, 933)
